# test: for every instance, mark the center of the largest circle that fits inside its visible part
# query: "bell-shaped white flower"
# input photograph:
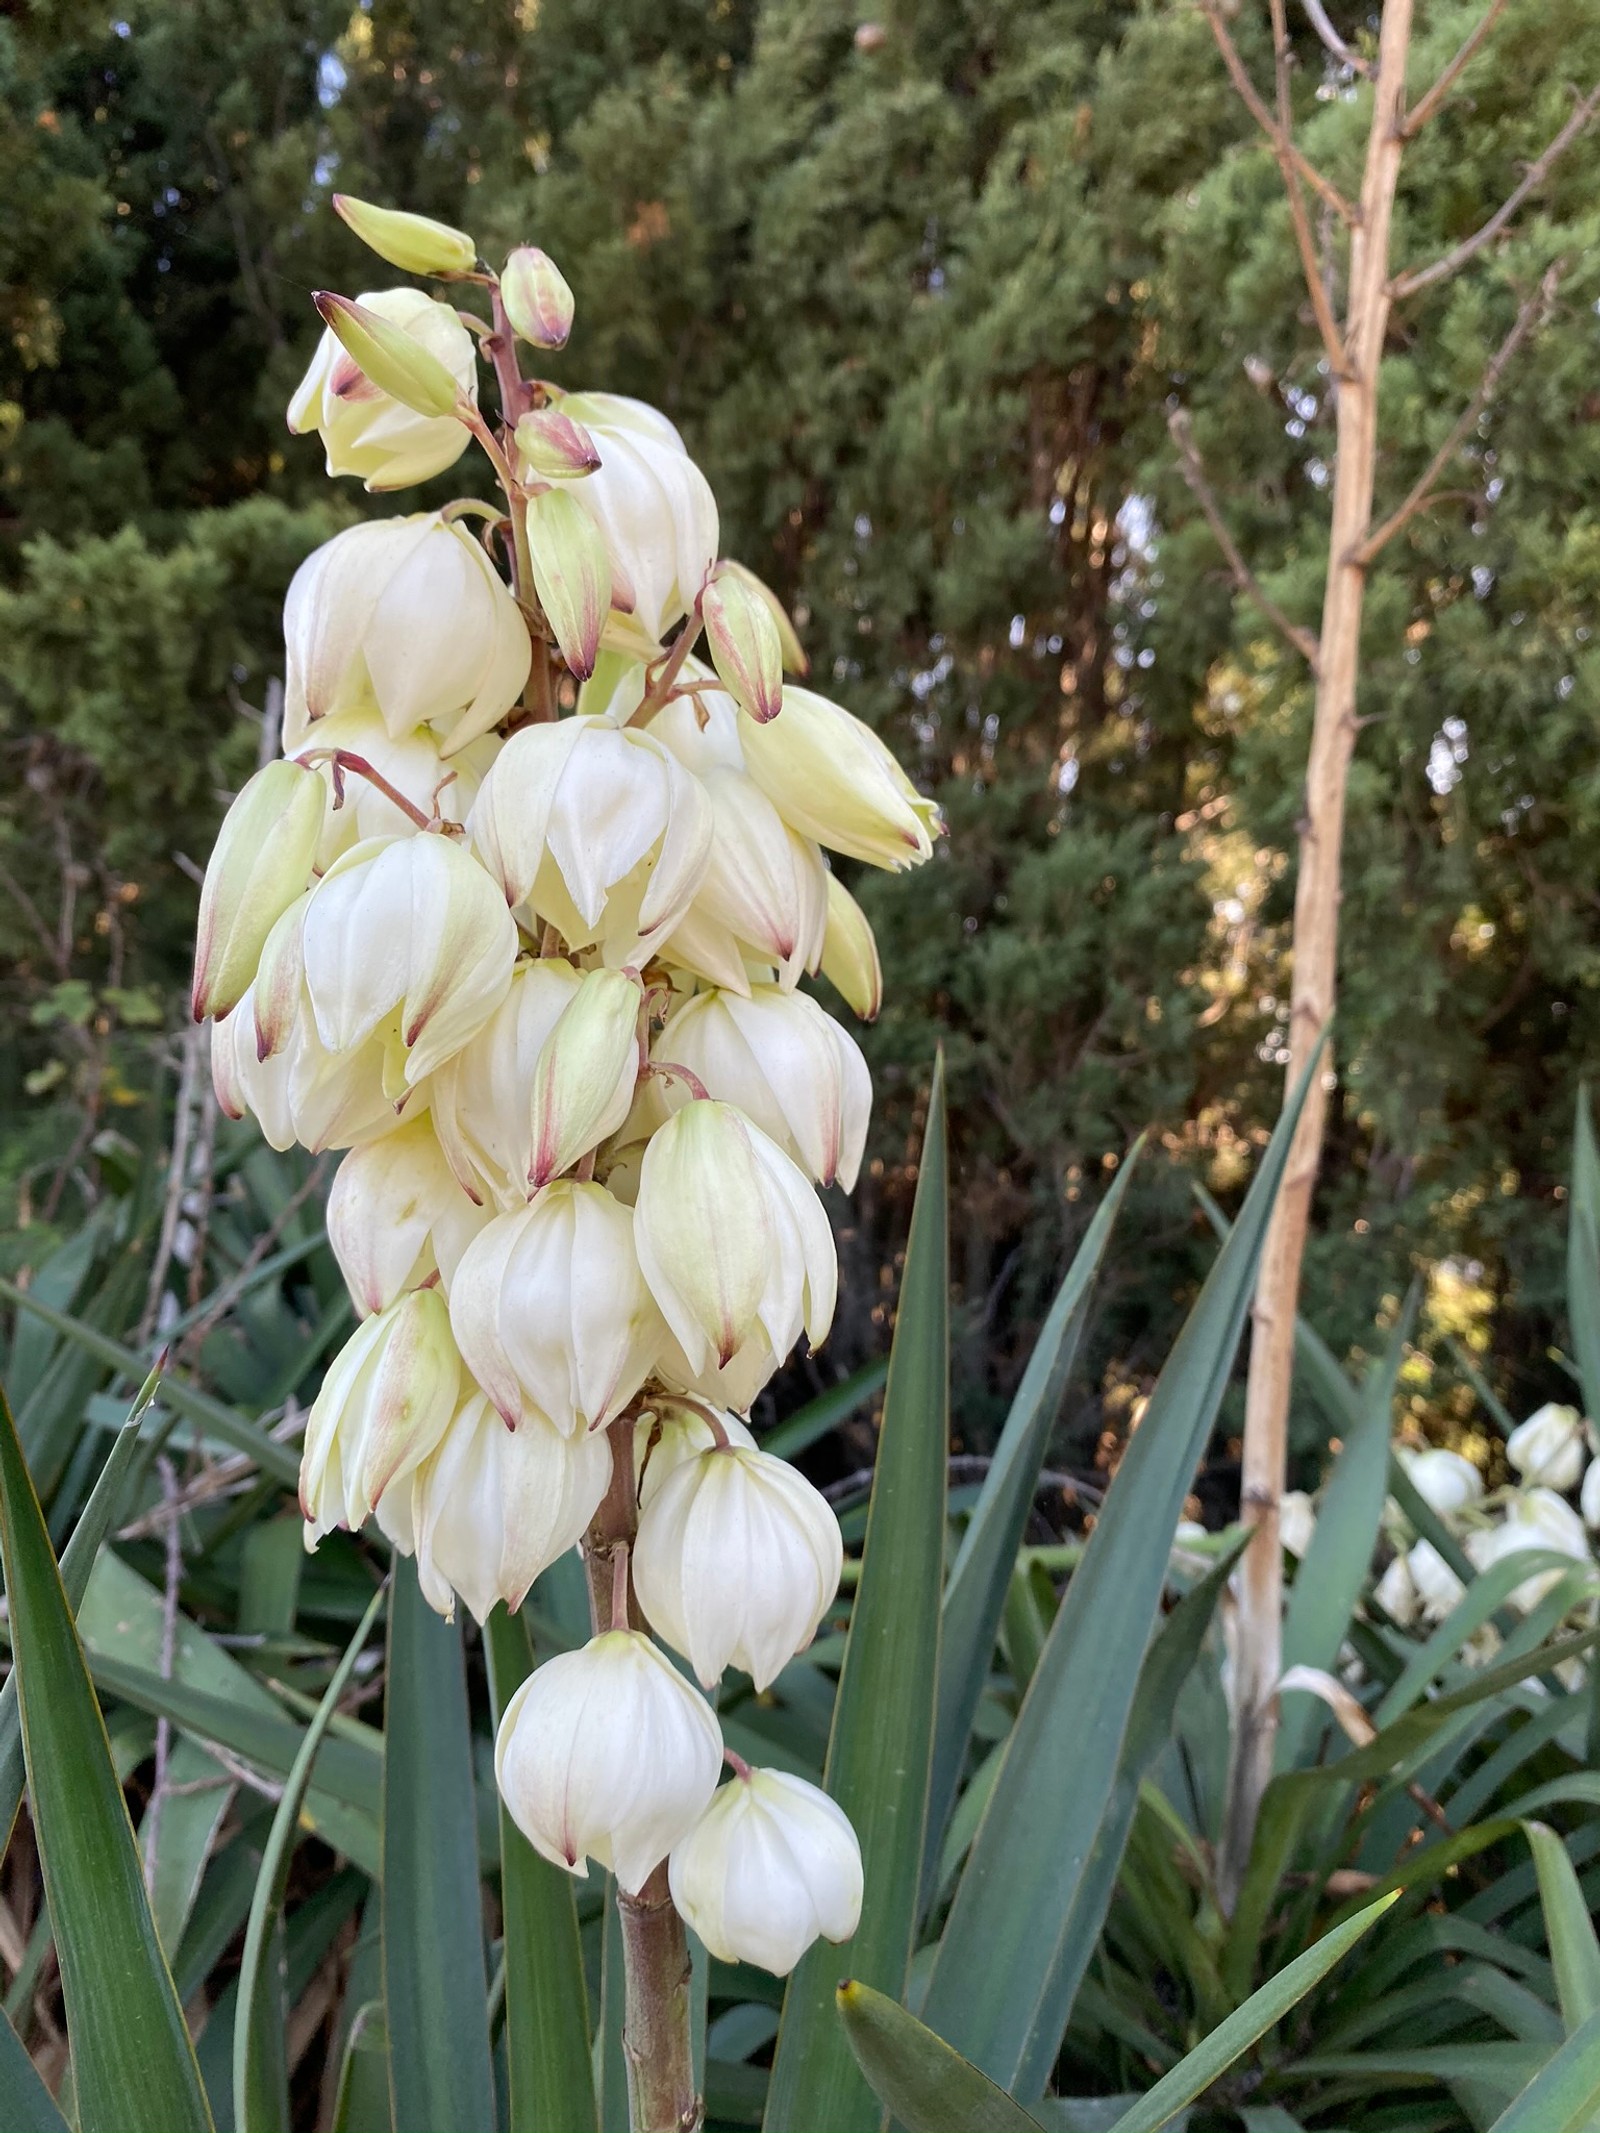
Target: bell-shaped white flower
(732, 1240)
(1436, 1585)
(360, 806)
(1446, 1482)
(672, 1430)
(731, 1385)
(480, 1098)
(1534, 1518)
(551, 1310)
(787, 1065)
(397, 1216)
(260, 865)
(585, 1074)
(764, 897)
(1589, 1497)
(831, 778)
(736, 1561)
(409, 615)
(1396, 1594)
(600, 829)
(1549, 1450)
(364, 430)
(607, 1754)
(384, 1405)
(493, 1507)
(1297, 1521)
(302, 1093)
(651, 503)
(850, 953)
(409, 931)
(771, 1866)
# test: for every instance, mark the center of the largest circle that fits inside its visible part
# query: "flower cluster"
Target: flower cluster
(520, 920)
(1552, 1454)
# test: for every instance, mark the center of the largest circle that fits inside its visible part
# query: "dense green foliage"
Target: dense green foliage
(920, 293)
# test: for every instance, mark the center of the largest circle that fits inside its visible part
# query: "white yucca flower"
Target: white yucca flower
(397, 1216)
(771, 1866)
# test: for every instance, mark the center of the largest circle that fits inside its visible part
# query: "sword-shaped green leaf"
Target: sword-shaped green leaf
(926, 2087)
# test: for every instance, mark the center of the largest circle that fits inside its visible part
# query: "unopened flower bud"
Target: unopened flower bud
(388, 357)
(260, 865)
(551, 1310)
(414, 243)
(1548, 1450)
(586, 1073)
(411, 929)
(787, 1065)
(732, 1240)
(371, 432)
(397, 1217)
(385, 1403)
(831, 778)
(411, 615)
(745, 647)
(493, 1507)
(571, 575)
(771, 1866)
(607, 1754)
(652, 504)
(1445, 1481)
(554, 447)
(736, 1561)
(850, 953)
(537, 300)
(794, 658)
(599, 828)
(479, 1099)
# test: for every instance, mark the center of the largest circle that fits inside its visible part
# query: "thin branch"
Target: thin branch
(1442, 269)
(1244, 578)
(1532, 313)
(228, 1294)
(1283, 147)
(1346, 55)
(1290, 164)
(1420, 113)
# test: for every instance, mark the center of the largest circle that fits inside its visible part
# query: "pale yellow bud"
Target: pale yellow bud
(831, 778)
(261, 863)
(850, 953)
(794, 658)
(537, 300)
(571, 574)
(745, 647)
(385, 1403)
(414, 243)
(585, 1074)
(388, 357)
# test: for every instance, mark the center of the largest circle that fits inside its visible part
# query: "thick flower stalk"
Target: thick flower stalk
(522, 921)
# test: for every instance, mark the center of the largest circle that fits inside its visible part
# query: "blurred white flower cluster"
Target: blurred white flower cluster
(520, 920)
(1553, 1455)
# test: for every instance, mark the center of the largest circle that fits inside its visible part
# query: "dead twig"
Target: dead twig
(1420, 113)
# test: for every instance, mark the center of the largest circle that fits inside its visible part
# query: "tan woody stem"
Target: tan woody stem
(657, 2041)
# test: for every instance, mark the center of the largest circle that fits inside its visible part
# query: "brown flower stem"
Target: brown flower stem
(657, 2038)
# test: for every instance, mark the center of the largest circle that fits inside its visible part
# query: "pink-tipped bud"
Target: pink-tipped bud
(261, 864)
(794, 658)
(745, 647)
(537, 300)
(389, 357)
(571, 575)
(554, 447)
(585, 1074)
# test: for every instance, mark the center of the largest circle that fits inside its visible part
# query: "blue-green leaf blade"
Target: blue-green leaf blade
(436, 1988)
(1564, 2096)
(26, 2105)
(998, 1986)
(881, 1745)
(1568, 1928)
(134, 2067)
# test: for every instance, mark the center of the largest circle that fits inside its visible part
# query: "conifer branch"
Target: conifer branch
(1420, 113)
(1283, 146)
(1441, 269)
(1425, 490)
(1244, 577)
